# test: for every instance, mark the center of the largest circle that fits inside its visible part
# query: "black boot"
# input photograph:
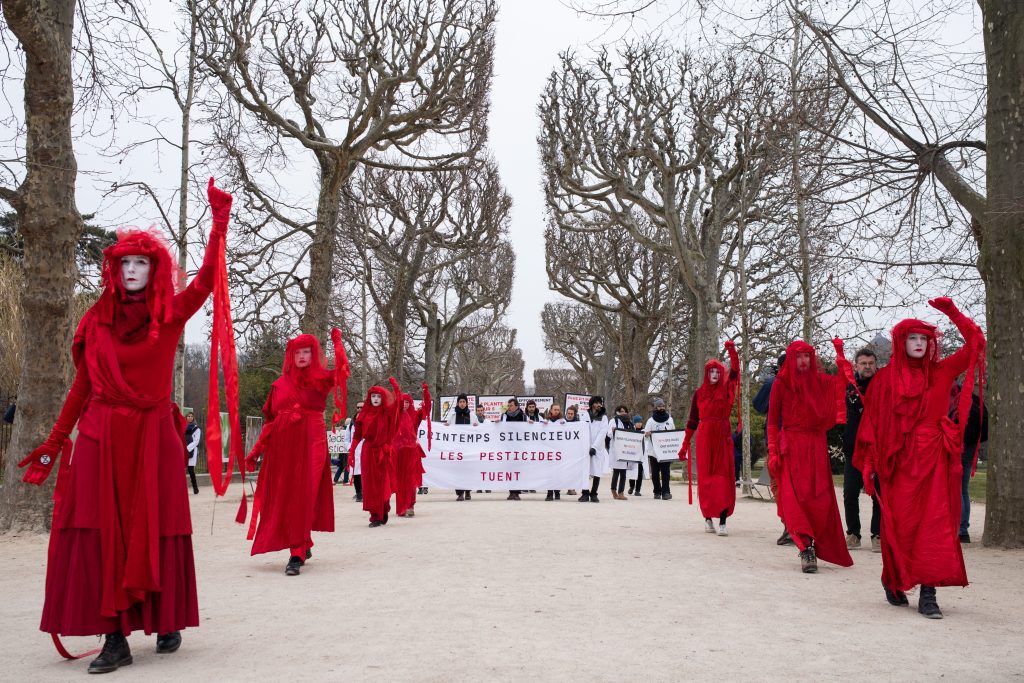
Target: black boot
(469, 496)
(293, 566)
(115, 654)
(593, 497)
(895, 598)
(558, 495)
(168, 642)
(927, 604)
(785, 538)
(809, 561)
(461, 496)
(585, 496)
(550, 496)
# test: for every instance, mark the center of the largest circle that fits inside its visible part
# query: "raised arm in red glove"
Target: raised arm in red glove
(40, 462)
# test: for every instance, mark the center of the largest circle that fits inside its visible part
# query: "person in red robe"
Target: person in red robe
(710, 409)
(805, 403)
(294, 494)
(408, 454)
(908, 442)
(373, 438)
(120, 555)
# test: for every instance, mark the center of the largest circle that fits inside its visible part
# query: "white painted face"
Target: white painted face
(376, 400)
(714, 374)
(303, 357)
(134, 272)
(917, 345)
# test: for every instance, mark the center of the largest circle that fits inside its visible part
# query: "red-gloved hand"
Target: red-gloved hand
(336, 336)
(730, 344)
(250, 462)
(838, 344)
(40, 463)
(220, 205)
(774, 468)
(396, 387)
(425, 387)
(943, 303)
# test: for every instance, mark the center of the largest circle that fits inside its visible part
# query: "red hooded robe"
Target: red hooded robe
(710, 409)
(803, 406)
(121, 547)
(294, 494)
(375, 432)
(907, 439)
(408, 454)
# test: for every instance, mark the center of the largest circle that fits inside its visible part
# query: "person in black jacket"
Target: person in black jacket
(865, 363)
(975, 434)
(461, 415)
(513, 414)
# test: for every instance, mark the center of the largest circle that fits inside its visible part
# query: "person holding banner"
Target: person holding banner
(513, 413)
(462, 416)
(659, 421)
(907, 439)
(805, 403)
(555, 416)
(598, 448)
(355, 463)
(620, 468)
(533, 416)
(120, 556)
(409, 455)
(293, 492)
(571, 415)
(634, 484)
(710, 411)
(376, 425)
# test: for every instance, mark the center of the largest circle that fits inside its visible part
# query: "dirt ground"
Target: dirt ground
(497, 590)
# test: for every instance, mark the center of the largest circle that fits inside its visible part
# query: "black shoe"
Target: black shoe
(469, 496)
(558, 495)
(168, 643)
(550, 496)
(593, 498)
(927, 604)
(785, 538)
(666, 496)
(809, 561)
(637, 492)
(895, 598)
(116, 653)
(359, 498)
(426, 490)
(657, 496)
(630, 491)
(461, 497)
(376, 523)
(293, 566)
(584, 497)
(965, 537)
(385, 520)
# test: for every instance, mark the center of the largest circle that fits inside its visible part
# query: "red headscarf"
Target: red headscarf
(812, 388)
(313, 376)
(373, 420)
(164, 280)
(717, 395)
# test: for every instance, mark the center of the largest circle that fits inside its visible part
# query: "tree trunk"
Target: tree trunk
(315, 319)
(1002, 266)
(51, 225)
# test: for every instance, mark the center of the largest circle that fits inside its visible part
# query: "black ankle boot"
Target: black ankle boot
(895, 598)
(115, 654)
(294, 566)
(550, 496)
(927, 604)
(585, 496)
(168, 642)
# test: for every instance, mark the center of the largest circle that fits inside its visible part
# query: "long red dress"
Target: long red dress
(803, 406)
(121, 548)
(373, 436)
(907, 439)
(408, 453)
(294, 492)
(710, 409)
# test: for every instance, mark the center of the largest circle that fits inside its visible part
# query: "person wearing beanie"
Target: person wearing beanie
(634, 484)
(659, 421)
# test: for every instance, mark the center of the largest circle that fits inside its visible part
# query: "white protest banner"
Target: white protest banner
(494, 406)
(628, 446)
(666, 444)
(582, 403)
(543, 402)
(507, 456)
(337, 442)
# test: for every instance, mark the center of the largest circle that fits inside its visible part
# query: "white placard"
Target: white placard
(628, 446)
(582, 403)
(337, 442)
(666, 444)
(543, 402)
(507, 456)
(494, 406)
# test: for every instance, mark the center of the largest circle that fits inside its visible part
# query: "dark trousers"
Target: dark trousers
(618, 480)
(967, 460)
(853, 483)
(660, 476)
(195, 486)
(594, 486)
(357, 482)
(342, 469)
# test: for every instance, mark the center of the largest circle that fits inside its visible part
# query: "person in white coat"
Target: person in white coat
(598, 448)
(193, 435)
(621, 468)
(462, 415)
(659, 421)
(354, 459)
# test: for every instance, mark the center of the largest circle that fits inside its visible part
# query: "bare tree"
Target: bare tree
(50, 224)
(348, 83)
(489, 363)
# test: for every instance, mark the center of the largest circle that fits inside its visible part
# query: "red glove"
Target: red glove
(40, 463)
(944, 304)
(869, 480)
(774, 467)
(396, 387)
(838, 344)
(335, 336)
(220, 206)
(250, 461)
(730, 344)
